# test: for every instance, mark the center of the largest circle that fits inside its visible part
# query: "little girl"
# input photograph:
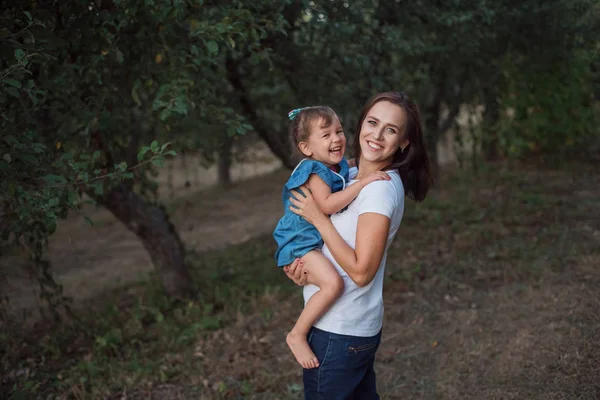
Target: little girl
(317, 133)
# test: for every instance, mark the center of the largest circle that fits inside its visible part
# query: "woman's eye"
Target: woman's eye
(325, 136)
(392, 130)
(372, 122)
(340, 132)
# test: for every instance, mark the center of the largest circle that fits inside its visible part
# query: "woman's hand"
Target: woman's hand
(306, 207)
(295, 271)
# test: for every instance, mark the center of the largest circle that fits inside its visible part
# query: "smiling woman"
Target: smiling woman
(318, 135)
(381, 133)
(346, 337)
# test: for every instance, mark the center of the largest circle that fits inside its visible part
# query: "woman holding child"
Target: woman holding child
(338, 334)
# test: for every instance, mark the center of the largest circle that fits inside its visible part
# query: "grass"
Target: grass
(491, 293)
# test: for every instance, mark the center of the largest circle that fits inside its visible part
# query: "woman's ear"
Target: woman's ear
(305, 149)
(404, 144)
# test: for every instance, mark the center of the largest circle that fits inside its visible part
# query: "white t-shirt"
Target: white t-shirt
(359, 311)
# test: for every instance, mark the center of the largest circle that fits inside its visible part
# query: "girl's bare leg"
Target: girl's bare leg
(324, 275)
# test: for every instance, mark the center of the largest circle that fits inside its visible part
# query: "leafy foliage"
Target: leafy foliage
(85, 86)
(445, 54)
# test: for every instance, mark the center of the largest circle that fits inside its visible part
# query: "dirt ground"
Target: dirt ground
(90, 260)
(497, 300)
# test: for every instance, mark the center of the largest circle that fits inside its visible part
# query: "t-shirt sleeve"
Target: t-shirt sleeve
(352, 172)
(304, 170)
(380, 197)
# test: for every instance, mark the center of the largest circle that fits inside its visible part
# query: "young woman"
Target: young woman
(346, 338)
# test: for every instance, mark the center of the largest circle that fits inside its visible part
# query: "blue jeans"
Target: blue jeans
(346, 367)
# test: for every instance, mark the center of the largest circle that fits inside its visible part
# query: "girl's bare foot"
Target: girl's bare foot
(299, 346)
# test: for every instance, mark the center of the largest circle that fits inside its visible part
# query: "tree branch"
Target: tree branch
(278, 146)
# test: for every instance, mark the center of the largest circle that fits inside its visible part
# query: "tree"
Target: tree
(445, 54)
(85, 87)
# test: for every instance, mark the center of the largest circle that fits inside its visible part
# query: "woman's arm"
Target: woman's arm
(362, 263)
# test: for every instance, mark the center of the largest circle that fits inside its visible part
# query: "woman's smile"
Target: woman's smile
(374, 145)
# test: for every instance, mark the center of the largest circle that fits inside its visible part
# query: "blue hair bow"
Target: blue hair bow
(294, 113)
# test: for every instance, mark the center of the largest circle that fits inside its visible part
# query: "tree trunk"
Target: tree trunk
(432, 121)
(224, 162)
(435, 127)
(152, 226)
(491, 115)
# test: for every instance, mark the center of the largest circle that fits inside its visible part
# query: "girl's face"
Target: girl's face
(326, 143)
(383, 132)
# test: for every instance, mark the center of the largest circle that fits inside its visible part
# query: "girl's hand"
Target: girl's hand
(295, 271)
(306, 207)
(374, 176)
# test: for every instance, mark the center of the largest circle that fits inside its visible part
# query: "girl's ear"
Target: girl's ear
(305, 149)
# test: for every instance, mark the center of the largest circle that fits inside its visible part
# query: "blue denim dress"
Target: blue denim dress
(294, 236)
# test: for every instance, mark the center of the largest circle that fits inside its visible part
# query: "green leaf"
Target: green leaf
(158, 161)
(88, 220)
(98, 188)
(38, 148)
(212, 47)
(164, 146)
(72, 197)
(19, 54)
(136, 97)
(28, 15)
(142, 153)
(165, 114)
(13, 92)
(12, 82)
(154, 146)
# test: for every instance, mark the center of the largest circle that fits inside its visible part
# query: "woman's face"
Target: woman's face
(383, 132)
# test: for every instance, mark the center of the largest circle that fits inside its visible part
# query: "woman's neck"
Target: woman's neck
(365, 167)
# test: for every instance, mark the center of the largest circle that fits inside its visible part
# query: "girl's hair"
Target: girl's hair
(304, 119)
(412, 163)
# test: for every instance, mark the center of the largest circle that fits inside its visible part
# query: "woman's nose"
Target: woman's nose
(378, 134)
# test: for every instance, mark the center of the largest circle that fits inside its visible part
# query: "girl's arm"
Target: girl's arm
(361, 264)
(330, 203)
